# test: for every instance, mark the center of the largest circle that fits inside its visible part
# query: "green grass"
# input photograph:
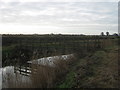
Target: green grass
(69, 81)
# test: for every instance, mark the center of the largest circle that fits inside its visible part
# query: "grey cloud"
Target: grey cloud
(57, 11)
(61, 14)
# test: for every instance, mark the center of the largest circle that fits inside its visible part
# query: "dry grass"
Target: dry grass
(99, 70)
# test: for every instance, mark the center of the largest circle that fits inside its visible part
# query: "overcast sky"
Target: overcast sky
(43, 17)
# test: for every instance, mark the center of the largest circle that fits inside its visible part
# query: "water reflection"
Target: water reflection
(9, 77)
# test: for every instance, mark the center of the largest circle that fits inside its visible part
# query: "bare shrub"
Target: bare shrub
(60, 66)
(42, 76)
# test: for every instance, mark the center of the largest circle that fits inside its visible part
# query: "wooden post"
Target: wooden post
(26, 70)
(14, 69)
(20, 69)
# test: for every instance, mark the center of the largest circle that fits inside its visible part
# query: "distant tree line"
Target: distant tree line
(108, 34)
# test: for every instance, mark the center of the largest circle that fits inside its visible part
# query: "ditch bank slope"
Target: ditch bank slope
(99, 70)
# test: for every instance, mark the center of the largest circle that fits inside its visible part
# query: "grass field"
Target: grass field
(94, 65)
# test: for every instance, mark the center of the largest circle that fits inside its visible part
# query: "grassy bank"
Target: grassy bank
(98, 70)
